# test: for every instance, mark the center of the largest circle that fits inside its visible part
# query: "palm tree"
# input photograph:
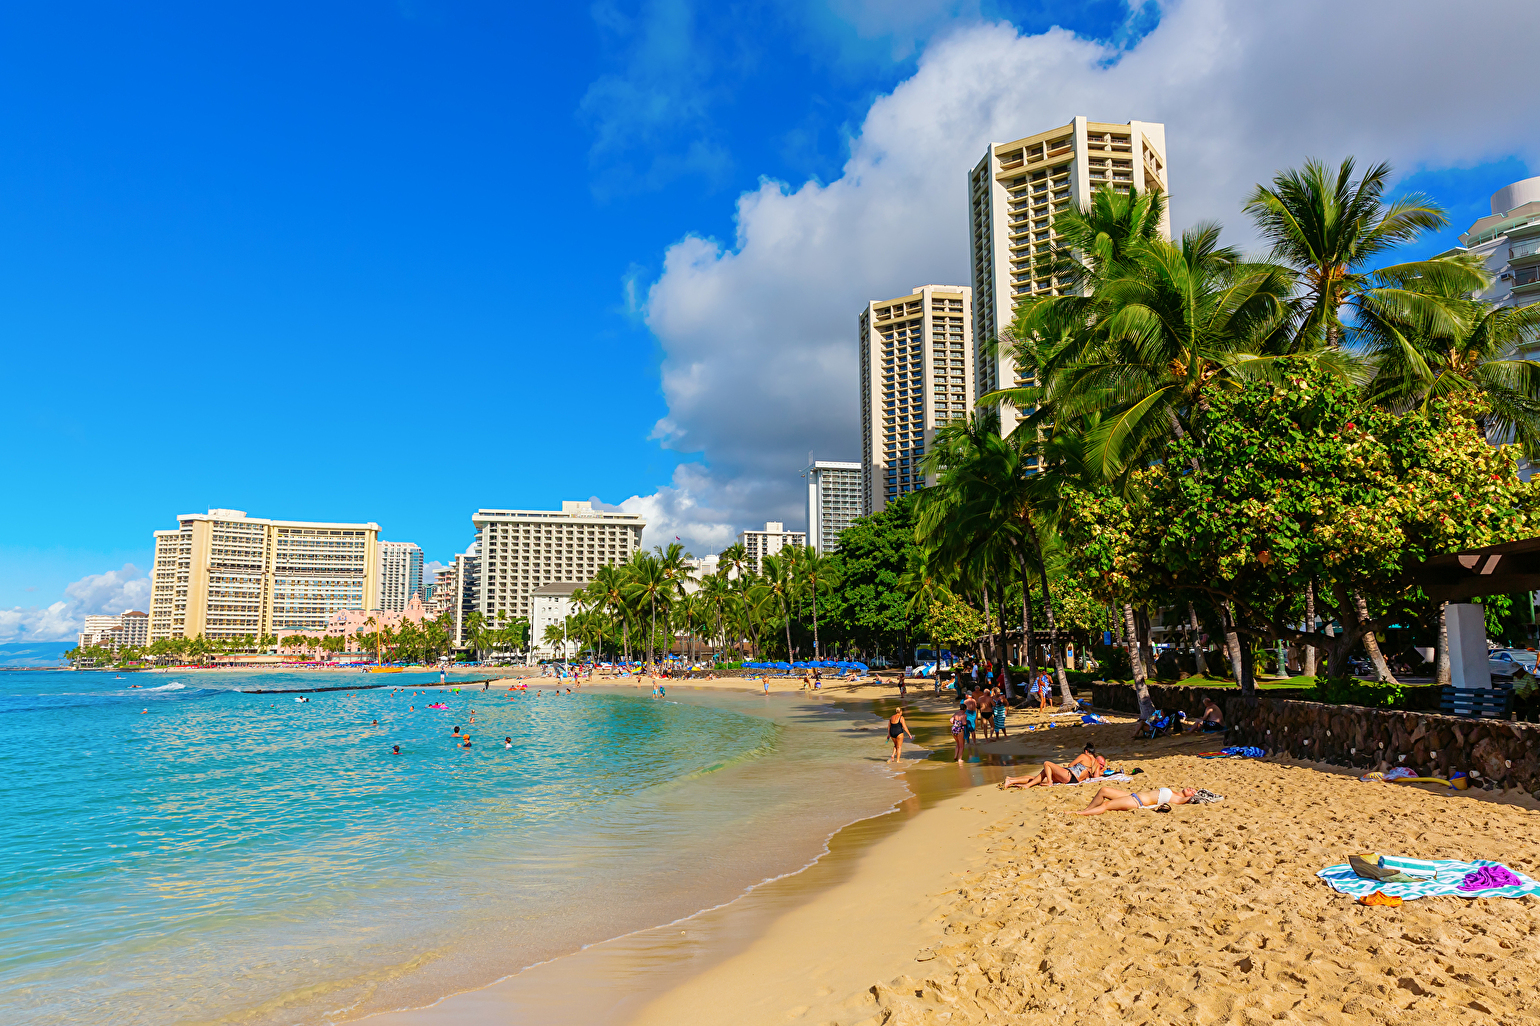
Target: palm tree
(1137, 357)
(780, 587)
(734, 561)
(815, 570)
(556, 637)
(1329, 227)
(717, 595)
(649, 580)
(1477, 354)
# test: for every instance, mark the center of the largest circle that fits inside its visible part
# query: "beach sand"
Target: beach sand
(1207, 914)
(975, 905)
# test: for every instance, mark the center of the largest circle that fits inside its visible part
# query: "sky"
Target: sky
(398, 260)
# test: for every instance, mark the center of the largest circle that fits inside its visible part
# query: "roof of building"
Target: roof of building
(558, 589)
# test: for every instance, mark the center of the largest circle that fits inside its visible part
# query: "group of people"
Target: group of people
(981, 710)
(1090, 766)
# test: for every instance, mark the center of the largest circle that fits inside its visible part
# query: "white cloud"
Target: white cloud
(115, 591)
(759, 336)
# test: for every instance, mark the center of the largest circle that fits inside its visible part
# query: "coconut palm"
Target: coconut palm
(1162, 328)
(779, 587)
(649, 581)
(1330, 227)
(815, 571)
(1478, 354)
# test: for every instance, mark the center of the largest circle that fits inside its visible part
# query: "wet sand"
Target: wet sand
(972, 905)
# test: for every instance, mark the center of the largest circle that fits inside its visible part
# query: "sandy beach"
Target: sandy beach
(972, 904)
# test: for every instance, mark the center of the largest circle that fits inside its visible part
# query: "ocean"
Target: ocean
(183, 852)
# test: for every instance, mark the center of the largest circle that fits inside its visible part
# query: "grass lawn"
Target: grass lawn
(1222, 683)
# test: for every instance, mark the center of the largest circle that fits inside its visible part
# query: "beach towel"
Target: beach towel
(1436, 877)
(1090, 718)
(1098, 780)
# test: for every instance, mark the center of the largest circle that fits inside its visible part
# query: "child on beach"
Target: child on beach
(959, 723)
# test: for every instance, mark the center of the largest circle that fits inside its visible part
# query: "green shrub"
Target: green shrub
(1352, 691)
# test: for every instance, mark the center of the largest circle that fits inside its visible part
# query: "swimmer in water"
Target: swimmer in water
(507, 742)
(376, 723)
(395, 749)
(467, 743)
(456, 730)
(411, 708)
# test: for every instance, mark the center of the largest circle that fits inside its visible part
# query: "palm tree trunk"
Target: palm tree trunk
(815, 621)
(652, 632)
(789, 654)
(1198, 664)
(1055, 650)
(1441, 675)
(1005, 655)
(1243, 664)
(1136, 665)
(1026, 621)
(1371, 645)
(1232, 640)
(1309, 660)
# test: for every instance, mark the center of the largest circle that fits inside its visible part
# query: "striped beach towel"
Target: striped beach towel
(1440, 878)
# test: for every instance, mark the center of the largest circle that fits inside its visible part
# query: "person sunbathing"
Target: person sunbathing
(1110, 799)
(1086, 764)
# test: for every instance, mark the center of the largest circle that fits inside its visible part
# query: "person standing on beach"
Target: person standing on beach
(903, 688)
(959, 724)
(897, 728)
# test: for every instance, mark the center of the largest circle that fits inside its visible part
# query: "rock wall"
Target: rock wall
(1496, 753)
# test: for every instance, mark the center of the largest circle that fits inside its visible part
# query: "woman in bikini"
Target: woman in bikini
(1110, 799)
(1086, 764)
(897, 728)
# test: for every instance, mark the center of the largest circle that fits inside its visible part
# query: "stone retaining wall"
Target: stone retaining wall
(1496, 753)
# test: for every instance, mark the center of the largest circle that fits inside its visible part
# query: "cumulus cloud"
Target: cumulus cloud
(115, 591)
(759, 333)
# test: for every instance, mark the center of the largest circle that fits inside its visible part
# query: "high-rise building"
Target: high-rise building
(1508, 241)
(1014, 195)
(226, 575)
(834, 499)
(916, 373)
(400, 575)
(130, 629)
(518, 550)
(774, 538)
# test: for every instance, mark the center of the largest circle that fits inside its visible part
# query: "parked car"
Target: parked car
(1511, 662)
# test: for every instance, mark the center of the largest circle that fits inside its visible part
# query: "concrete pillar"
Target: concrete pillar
(1468, 662)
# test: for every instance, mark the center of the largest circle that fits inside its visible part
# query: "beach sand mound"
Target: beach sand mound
(1213, 914)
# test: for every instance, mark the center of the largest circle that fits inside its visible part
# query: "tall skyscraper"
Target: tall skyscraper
(226, 575)
(774, 538)
(916, 373)
(1014, 195)
(833, 501)
(518, 550)
(400, 575)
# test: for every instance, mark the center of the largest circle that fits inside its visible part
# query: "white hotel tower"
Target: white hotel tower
(916, 373)
(1014, 195)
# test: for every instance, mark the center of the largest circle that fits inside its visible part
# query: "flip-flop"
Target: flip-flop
(1380, 898)
(1162, 808)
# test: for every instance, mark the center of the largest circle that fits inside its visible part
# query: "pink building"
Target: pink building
(349, 623)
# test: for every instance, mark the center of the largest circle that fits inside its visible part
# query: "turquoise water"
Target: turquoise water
(186, 853)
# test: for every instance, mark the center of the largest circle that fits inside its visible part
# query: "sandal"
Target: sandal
(1380, 898)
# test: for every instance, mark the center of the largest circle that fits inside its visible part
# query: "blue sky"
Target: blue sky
(398, 260)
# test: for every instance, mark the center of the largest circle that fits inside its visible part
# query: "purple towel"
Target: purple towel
(1489, 876)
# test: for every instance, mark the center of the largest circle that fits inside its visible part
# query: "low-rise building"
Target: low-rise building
(550, 605)
(774, 538)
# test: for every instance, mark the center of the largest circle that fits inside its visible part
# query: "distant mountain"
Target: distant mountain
(34, 653)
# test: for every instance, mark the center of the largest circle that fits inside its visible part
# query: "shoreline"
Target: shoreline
(967, 903)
